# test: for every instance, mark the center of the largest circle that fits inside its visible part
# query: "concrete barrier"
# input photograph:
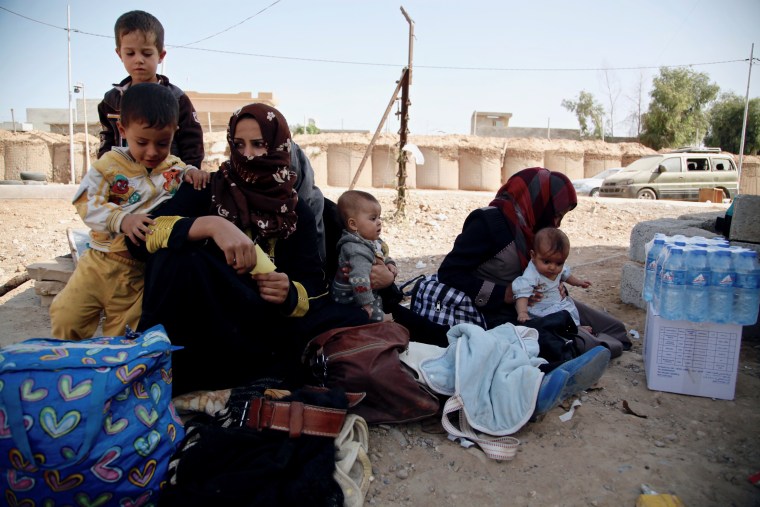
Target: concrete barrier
(28, 154)
(343, 162)
(643, 232)
(568, 162)
(439, 172)
(631, 284)
(744, 224)
(479, 169)
(595, 162)
(517, 159)
(317, 155)
(384, 166)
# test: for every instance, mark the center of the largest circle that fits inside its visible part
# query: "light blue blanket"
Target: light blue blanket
(494, 372)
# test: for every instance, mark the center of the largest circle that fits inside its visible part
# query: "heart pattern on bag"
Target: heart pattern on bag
(115, 462)
(57, 483)
(136, 502)
(139, 390)
(147, 417)
(113, 427)
(5, 431)
(84, 500)
(145, 446)
(13, 501)
(140, 477)
(69, 392)
(55, 428)
(118, 358)
(19, 483)
(57, 353)
(127, 375)
(20, 463)
(28, 393)
(103, 469)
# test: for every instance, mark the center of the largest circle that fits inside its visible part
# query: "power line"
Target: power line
(230, 27)
(376, 64)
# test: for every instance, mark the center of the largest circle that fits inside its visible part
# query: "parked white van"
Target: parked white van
(675, 175)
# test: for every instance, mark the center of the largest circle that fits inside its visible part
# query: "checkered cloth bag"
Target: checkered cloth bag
(443, 304)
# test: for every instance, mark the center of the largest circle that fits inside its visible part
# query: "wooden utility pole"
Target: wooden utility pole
(407, 80)
(403, 85)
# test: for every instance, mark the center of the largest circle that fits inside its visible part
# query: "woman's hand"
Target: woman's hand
(238, 248)
(509, 296)
(380, 276)
(273, 287)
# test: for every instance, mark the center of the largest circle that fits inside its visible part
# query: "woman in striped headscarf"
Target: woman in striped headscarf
(494, 247)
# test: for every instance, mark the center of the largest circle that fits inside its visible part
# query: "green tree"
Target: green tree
(588, 112)
(726, 116)
(300, 129)
(677, 112)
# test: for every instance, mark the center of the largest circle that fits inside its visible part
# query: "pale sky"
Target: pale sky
(507, 56)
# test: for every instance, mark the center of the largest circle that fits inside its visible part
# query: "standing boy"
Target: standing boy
(140, 46)
(114, 200)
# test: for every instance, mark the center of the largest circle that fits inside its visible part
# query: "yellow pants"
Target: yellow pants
(103, 282)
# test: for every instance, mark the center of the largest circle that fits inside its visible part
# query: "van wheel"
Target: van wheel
(647, 193)
(594, 192)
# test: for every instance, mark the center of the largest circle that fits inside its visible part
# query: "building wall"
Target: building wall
(214, 109)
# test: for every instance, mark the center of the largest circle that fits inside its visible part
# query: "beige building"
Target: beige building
(489, 124)
(214, 109)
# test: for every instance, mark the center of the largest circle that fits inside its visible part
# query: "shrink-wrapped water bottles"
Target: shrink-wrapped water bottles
(697, 306)
(747, 288)
(653, 249)
(705, 280)
(673, 288)
(722, 276)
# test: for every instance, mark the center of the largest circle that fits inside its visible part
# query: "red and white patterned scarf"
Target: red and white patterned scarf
(530, 200)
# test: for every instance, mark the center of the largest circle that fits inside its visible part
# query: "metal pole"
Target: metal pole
(71, 119)
(746, 107)
(411, 42)
(405, 102)
(86, 131)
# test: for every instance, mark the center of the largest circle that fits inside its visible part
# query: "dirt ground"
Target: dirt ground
(701, 449)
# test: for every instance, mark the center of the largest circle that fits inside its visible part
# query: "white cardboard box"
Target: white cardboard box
(696, 358)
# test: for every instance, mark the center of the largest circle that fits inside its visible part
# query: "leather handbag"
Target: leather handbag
(366, 359)
(87, 422)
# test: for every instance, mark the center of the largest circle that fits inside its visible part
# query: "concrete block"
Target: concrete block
(643, 232)
(631, 284)
(45, 301)
(745, 226)
(750, 246)
(59, 269)
(706, 220)
(48, 287)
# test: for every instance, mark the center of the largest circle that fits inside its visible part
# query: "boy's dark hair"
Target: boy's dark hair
(350, 201)
(149, 103)
(139, 21)
(550, 240)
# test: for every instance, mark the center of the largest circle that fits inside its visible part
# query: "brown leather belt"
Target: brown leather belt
(297, 418)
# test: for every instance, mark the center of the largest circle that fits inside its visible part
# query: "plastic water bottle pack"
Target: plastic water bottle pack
(702, 280)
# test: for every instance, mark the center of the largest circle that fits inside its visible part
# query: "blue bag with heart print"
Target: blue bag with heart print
(88, 422)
